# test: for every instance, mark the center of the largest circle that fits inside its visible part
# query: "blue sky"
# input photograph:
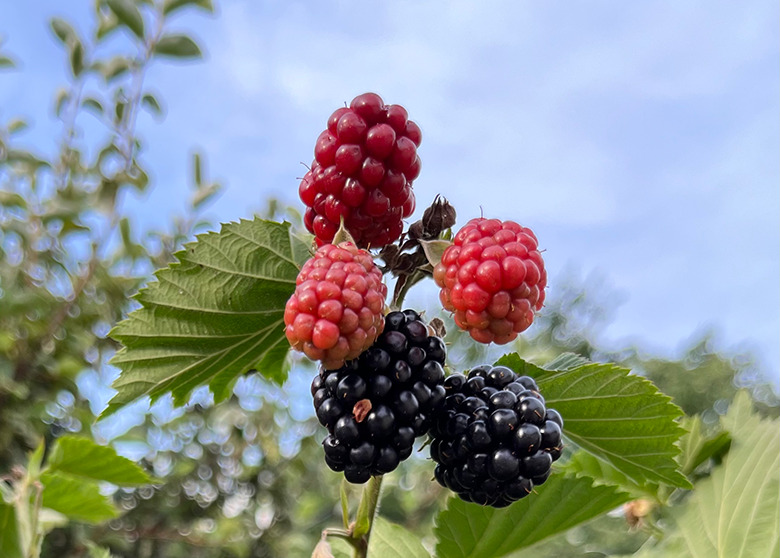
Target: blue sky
(639, 140)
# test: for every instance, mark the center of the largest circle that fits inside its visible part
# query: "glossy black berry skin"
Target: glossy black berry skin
(375, 406)
(494, 439)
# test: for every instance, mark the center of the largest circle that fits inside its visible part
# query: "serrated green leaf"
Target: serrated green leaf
(129, 15)
(467, 530)
(10, 545)
(617, 416)
(177, 46)
(389, 540)
(566, 361)
(584, 464)
(172, 5)
(77, 499)
(215, 314)
(81, 457)
(735, 512)
(698, 448)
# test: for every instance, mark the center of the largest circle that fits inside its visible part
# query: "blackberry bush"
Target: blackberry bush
(493, 278)
(363, 169)
(494, 439)
(376, 405)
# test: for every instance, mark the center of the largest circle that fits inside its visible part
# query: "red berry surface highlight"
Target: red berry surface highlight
(363, 169)
(493, 278)
(336, 311)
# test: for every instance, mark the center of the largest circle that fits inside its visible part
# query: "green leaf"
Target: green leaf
(59, 104)
(96, 551)
(197, 169)
(10, 546)
(6, 62)
(172, 5)
(212, 316)
(566, 361)
(77, 58)
(434, 249)
(93, 105)
(62, 30)
(129, 15)
(204, 194)
(150, 102)
(344, 503)
(617, 416)
(17, 125)
(177, 46)
(81, 457)
(586, 464)
(698, 448)
(735, 512)
(75, 498)
(389, 540)
(467, 530)
(367, 507)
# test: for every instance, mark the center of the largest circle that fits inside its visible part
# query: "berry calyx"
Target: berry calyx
(363, 169)
(494, 439)
(374, 406)
(336, 311)
(493, 278)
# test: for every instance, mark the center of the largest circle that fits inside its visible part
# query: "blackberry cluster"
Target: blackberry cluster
(494, 439)
(374, 406)
(364, 165)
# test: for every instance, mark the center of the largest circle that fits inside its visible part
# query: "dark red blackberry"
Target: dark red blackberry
(374, 406)
(494, 439)
(364, 165)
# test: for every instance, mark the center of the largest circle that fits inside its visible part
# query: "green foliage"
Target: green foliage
(698, 448)
(214, 315)
(467, 530)
(618, 417)
(83, 458)
(177, 46)
(129, 15)
(734, 513)
(389, 540)
(75, 499)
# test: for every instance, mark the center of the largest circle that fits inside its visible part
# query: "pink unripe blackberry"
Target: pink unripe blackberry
(336, 311)
(493, 278)
(363, 169)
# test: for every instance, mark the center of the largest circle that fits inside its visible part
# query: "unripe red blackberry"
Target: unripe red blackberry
(375, 406)
(336, 311)
(494, 439)
(493, 278)
(364, 165)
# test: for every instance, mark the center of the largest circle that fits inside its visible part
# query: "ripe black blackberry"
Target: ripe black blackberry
(494, 439)
(375, 405)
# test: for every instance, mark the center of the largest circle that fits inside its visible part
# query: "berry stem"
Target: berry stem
(365, 516)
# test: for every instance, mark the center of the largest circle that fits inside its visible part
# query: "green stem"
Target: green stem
(365, 518)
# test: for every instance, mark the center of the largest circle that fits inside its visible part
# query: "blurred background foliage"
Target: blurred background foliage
(246, 478)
